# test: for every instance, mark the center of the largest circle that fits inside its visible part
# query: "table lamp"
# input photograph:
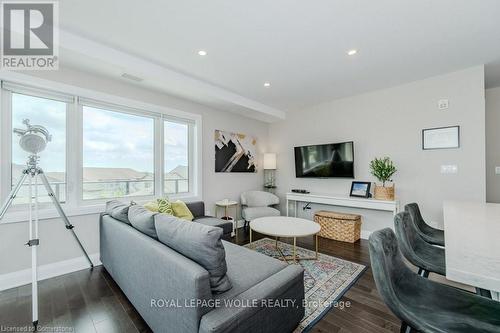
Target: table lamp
(269, 170)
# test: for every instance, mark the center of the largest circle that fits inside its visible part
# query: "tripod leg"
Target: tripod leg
(65, 219)
(13, 194)
(33, 243)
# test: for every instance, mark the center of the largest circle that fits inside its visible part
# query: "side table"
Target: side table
(227, 204)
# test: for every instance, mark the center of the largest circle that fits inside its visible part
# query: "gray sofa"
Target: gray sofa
(162, 284)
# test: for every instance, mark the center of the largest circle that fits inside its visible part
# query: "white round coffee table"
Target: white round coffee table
(288, 227)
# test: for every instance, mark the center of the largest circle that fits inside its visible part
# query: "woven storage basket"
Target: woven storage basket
(339, 226)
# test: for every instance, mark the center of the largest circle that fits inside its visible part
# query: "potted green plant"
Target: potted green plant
(383, 169)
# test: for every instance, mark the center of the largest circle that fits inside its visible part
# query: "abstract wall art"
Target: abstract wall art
(235, 152)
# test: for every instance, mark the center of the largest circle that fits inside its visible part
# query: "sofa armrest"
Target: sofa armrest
(257, 310)
(197, 208)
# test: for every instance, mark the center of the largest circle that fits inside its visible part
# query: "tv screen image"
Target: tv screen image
(325, 161)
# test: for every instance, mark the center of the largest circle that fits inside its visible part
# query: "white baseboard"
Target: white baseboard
(20, 278)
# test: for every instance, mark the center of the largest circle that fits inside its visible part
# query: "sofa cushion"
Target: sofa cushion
(143, 220)
(226, 226)
(251, 213)
(165, 206)
(118, 210)
(198, 242)
(181, 210)
(285, 286)
(246, 268)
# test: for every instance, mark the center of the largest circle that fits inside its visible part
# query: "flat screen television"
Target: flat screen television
(325, 161)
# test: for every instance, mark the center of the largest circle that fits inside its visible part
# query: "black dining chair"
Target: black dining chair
(428, 258)
(433, 258)
(429, 234)
(422, 304)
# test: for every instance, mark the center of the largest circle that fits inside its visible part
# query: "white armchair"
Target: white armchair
(257, 204)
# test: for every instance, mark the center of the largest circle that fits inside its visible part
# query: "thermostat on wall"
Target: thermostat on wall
(443, 104)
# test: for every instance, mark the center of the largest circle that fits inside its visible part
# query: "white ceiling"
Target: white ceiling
(299, 46)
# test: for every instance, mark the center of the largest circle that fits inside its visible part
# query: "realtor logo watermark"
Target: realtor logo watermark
(30, 35)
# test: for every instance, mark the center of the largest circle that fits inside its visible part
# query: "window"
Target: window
(176, 145)
(52, 114)
(118, 154)
(99, 149)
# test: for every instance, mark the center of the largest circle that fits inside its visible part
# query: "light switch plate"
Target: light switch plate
(449, 169)
(497, 170)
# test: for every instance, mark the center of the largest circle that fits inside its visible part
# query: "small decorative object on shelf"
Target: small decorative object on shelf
(298, 190)
(383, 169)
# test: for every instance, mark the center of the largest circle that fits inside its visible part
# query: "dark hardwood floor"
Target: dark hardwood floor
(90, 301)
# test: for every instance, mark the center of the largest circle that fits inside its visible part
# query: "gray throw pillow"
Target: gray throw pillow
(118, 210)
(200, 243)
(143, 220)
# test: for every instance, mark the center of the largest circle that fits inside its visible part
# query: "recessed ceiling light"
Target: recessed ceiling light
(267, 84)
(202, 52)
(352, 52)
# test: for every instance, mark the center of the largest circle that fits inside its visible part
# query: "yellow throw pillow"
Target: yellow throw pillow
(182, 211)
(152, 206)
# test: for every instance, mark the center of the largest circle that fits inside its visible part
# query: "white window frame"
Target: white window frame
(6, 138)
(191, 153)
(75, 205)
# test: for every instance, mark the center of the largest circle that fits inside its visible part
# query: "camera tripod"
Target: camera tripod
(32, 172)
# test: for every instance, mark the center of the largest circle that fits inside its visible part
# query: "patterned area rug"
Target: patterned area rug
(325, 279)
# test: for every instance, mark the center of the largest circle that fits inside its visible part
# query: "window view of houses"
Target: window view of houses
(102, 183)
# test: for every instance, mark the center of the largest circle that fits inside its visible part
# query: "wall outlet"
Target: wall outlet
(449, 169)
(497, 170)
(443, 104)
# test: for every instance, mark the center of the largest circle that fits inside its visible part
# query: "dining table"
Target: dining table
(472, 244)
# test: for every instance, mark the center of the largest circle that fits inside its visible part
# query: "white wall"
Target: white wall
(56, 242)
(389, 123)
(492, 144)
